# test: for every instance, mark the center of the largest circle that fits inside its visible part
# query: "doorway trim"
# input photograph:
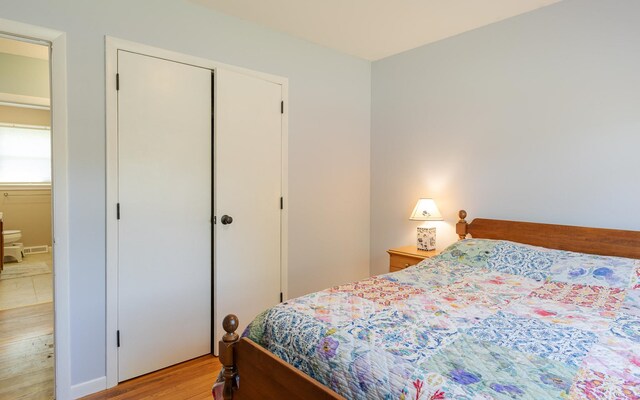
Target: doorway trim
(112, 45)
(59, 193)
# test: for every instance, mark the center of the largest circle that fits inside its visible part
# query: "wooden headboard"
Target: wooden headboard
(607, 242)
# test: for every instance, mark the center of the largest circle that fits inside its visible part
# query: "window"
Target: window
(25, 155)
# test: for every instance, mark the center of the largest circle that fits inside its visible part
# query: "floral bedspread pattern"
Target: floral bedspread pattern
(483, 320)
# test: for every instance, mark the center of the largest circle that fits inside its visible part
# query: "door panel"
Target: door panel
(248, 181)
(164, 249)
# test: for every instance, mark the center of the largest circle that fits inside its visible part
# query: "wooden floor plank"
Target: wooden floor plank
(26, 322)
(190, 380)
(26, 353)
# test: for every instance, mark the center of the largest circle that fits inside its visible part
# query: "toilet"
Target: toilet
(12, 248)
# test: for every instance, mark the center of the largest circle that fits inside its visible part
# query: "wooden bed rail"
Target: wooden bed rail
(606, 242)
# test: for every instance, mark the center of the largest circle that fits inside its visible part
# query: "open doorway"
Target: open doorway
(26, 265)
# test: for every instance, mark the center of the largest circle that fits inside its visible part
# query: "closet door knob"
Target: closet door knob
(226, 220)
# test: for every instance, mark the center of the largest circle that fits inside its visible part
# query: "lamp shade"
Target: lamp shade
(426, 210)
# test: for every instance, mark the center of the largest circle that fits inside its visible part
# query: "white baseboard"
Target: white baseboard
(89, 387)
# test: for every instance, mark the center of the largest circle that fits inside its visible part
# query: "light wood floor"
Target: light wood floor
(26, 352)
(26, 329)
(189, 380)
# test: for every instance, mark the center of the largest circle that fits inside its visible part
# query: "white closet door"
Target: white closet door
(164, 247)
(248, 183)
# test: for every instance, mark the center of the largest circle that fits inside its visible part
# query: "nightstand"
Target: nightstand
(403, 257)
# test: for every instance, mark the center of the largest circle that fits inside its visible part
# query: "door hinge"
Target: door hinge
(282, 107)
(280, 297)
(118, 211)
(118, 338)
(117, 81)
(282, 203)
(215, 220)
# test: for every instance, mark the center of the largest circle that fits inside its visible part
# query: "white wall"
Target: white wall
(532, 118)
(329, 126)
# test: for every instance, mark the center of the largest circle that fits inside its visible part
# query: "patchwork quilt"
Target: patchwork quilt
(484, 319)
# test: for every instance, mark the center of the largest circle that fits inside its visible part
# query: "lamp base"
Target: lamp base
(426, 238)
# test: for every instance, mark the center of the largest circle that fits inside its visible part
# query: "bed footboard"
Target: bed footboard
(252, 373)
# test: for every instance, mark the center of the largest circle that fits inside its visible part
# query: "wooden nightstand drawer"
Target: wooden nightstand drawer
(402, 261)
(403, 257)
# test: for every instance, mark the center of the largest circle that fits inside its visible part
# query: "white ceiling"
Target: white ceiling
(374, 29)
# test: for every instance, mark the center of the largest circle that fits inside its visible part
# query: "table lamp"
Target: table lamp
(426, 210)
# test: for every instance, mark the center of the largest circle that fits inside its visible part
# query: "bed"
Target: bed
(519, 310)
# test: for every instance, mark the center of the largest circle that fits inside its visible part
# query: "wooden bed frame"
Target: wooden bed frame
(265, 376)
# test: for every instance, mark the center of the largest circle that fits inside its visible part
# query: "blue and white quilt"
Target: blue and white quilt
(483, 320)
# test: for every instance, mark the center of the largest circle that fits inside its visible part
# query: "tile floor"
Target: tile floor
(27, 283)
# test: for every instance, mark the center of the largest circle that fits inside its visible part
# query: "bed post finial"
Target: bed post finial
(230, 324)
(461, 226)
(226, 347)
